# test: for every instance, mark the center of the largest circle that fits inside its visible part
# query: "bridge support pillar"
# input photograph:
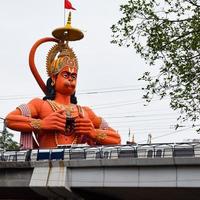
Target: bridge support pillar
(50, 181)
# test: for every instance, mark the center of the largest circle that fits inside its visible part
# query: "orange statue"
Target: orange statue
(57, 119)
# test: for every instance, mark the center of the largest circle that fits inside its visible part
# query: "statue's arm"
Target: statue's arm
(97, 129)
(24, 117)
(16, 120)
(106, 136)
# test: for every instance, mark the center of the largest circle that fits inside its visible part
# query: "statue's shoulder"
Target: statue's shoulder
(36, 101)
(87, 109)
(37, 104)
(89, 112)
(96, 120)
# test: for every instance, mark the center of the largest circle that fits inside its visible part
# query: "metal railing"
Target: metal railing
(159, 150)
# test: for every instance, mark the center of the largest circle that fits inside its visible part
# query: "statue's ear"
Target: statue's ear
(53, 78)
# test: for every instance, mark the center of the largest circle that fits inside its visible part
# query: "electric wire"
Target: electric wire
(95, 91)
(155, 119)
(136, 116)
(164, 135)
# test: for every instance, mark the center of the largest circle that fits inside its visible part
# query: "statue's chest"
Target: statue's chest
(71, 110)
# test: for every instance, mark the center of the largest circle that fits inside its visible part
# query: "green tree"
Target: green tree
(6, 141)
(166, 33)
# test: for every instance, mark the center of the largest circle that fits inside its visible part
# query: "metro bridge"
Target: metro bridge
(141, 172)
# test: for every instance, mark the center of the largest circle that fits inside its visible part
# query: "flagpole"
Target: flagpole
(67, 5)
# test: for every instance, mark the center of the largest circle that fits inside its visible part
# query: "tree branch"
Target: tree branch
(194, 4)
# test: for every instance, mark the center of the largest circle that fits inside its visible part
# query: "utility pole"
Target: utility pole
(130, 140)
(149, 138)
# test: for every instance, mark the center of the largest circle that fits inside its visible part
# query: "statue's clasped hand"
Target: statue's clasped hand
(55, 121)
(84, 126)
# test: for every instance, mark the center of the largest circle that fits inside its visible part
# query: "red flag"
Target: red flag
(68, 5)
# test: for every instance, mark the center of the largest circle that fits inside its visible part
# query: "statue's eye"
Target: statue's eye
(65, 75)
(68, 74)
(74, 76)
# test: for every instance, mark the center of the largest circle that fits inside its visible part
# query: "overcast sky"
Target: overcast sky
(107, 79)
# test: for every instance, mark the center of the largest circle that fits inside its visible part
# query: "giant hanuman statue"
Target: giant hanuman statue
(57, 119)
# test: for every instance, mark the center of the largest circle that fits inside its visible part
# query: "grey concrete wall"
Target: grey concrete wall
(57, 179)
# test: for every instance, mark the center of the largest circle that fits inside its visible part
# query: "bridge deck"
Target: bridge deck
(125, 178)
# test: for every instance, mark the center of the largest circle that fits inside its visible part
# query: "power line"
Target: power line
(115, 102)
(154, 119)
(135, 116)
(111, 88)
(95, 91)
(116, 105)
(122, 104)
(138, 131)
(131, 111)
(109, 91)
(177, 131)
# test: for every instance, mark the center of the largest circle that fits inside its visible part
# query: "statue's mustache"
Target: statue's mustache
(69, 84)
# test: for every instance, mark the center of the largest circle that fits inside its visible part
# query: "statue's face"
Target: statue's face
(65, 83)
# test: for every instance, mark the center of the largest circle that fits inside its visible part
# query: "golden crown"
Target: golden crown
(61, 55)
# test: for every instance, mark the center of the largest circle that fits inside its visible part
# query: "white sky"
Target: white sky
(103, 67)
